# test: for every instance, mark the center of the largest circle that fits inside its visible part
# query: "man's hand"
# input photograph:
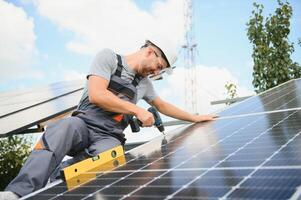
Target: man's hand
(203, 118)
(175, 112)
(146, 117)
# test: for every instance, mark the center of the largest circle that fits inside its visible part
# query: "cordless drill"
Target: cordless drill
(136, 123)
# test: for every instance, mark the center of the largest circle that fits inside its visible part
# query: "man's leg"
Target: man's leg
(61, 137)
(101, 142)
(98, 143)
(56, 175)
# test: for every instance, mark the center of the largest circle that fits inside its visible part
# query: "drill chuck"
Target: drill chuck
(161, 128)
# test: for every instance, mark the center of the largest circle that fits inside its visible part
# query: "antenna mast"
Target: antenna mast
(189, 47)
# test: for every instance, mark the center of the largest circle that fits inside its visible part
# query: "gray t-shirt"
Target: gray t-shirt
(105, 65)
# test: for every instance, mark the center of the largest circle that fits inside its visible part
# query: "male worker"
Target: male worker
(114, 85)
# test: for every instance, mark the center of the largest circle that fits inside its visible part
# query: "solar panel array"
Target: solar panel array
(24, 109)
(285, 96)
(246, 157)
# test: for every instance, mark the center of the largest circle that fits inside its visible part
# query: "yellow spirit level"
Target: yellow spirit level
(88, 169)
(94, 173)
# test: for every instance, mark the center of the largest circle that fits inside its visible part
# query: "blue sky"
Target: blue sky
(62, 49)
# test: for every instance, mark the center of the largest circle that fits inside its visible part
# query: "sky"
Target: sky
(47, 41)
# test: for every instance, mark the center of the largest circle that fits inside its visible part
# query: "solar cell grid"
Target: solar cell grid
(245, 157)
(212, 167)
(282, 97)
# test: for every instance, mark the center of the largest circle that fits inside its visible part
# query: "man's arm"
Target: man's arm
(175, 112)
(102, 97)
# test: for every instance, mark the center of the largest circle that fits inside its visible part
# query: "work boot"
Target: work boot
(8, 195)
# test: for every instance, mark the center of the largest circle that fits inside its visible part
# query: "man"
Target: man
(114, 85)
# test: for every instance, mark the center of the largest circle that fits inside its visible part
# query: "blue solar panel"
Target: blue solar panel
(246, 157)
(285, 96)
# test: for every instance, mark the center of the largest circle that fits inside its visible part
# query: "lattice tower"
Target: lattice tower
(189, 48)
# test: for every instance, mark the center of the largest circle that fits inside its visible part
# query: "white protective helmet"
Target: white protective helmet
(169, 49)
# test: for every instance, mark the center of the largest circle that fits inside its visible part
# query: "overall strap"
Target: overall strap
(119, 66)
(136, 80)
(118, 71)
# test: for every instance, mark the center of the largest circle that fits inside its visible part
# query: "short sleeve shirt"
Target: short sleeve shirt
(105, 64)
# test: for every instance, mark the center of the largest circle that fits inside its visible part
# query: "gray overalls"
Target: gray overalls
(89, 131)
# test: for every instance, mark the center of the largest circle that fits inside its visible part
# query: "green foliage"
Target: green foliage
(14, 150)
(271, 47)
(231, 91)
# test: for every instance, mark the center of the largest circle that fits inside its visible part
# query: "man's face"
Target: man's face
(153, 62)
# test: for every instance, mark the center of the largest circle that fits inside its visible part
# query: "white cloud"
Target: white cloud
(119, 25)
(210, 86)
(17, 47)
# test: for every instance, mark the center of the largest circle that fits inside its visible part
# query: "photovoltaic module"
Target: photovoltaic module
(253, 151)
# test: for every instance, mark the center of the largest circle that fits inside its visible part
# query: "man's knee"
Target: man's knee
(67, 127)
(65, 134)
(101, 145)
(71, 125)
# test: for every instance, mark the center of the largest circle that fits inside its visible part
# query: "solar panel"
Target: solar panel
(24, 109)
(13, 101)
(285, 96)
(247, 157)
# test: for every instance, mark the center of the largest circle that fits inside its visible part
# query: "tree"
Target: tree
(14, 150)
(231, 91)
(271, 47)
